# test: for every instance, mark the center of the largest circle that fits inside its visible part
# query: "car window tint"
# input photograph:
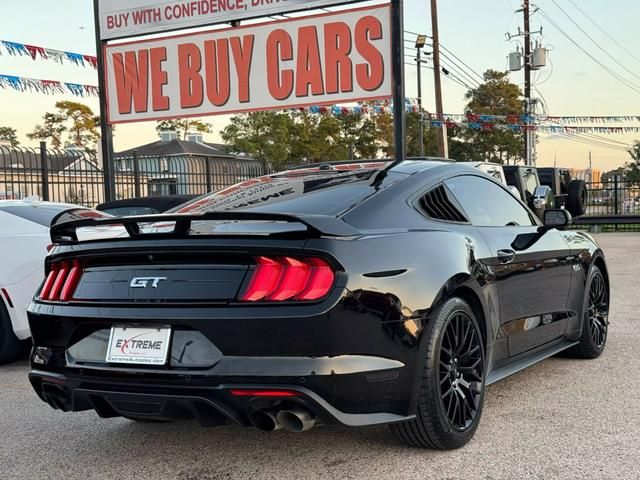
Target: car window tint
(488, 204)
(130, 211)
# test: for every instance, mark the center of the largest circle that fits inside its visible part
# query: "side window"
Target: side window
(488, 204)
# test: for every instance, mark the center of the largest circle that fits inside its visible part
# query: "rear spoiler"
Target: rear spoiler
(64, 231)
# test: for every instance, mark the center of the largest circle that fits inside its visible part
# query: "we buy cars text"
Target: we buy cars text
(342, 56)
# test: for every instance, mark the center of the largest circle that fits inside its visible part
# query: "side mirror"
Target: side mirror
(557, 218)
(552, 219)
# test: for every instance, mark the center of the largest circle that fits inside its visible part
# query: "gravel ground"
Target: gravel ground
(559, 419)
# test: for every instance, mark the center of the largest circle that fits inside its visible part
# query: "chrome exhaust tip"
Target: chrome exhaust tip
(296, 420)
(265, 420)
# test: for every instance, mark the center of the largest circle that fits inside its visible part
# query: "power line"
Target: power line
(455, 77)
(582, 138)
(608, 140)
(456, 57)
(462, 70)
(602, 65)
(463, 63)
(593, 41)
(449, 75)
(605, 32)
(453, 70)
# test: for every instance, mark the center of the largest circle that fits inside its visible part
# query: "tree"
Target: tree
(430, 137)
(182, 126)
(52, 128)
(316, 138)
(384, 125)
(358, 136)
(10, 135)
(496, 96)
(83, 131)
(73, 117)
(609, 176)
(267, 136)
(385, 134)
(632, 167)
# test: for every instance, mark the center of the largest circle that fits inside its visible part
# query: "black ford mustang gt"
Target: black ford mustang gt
(355, 294)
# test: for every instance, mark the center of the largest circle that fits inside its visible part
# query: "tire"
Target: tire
(10, 346)
(577, 197)
(437, 424)
(595, 320)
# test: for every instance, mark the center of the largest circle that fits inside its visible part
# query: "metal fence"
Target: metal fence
(617, 197)
(612, 206)
(75, 176)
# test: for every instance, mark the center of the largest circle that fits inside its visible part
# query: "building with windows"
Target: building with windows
(171, 166)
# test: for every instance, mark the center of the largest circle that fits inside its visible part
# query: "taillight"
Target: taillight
(62, 281)
(278, 279)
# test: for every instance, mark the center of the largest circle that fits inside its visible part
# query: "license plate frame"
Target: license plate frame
(138, 345)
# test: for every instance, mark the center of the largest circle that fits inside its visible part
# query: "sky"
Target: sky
(474, 30)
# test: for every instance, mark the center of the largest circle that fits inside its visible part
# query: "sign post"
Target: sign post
(397, 46)
(106, 134)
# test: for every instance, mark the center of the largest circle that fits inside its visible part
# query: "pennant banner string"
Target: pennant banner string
(49, 87)
(59, 56)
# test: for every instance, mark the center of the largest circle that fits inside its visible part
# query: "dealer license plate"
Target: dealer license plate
(143, 346)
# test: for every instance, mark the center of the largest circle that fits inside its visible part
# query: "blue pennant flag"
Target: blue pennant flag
(75, 58)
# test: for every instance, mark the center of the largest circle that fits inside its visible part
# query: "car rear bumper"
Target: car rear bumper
(211, 405)
(348, 364)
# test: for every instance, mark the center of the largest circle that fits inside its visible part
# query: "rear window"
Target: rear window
(130, 211)
(546, 177)
(40, 214)
(296, 192)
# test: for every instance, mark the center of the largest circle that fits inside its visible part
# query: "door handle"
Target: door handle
(506, 256)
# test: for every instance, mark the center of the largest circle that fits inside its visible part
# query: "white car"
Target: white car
(24, 242)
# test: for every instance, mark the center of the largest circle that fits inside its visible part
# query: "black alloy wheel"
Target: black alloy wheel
(595, 327)
(598, 311)
(461, 371)
(451, 392)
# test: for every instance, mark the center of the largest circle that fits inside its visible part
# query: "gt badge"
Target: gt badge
(144, 282)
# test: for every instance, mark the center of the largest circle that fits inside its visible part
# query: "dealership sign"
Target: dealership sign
(120, 19)
(322, 59)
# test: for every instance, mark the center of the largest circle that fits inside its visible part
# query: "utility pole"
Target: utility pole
(443, 147)
(533, 60)
(528, 140)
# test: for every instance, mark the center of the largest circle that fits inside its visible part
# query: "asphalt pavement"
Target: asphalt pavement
(562, 418)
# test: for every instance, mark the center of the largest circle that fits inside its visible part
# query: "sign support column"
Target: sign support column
(397, 54)
(106, 134)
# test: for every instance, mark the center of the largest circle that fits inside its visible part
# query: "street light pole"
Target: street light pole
(420, 43)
